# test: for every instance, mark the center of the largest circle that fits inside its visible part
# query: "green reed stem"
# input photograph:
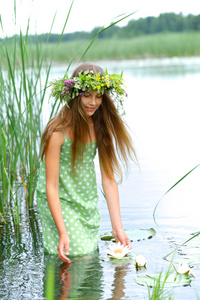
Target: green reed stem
(15, 211)
(3, 164)
(22, 127)
(23, 94)
(50, 283)
(158, 291)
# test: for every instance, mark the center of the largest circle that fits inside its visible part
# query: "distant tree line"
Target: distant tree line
(166, 22)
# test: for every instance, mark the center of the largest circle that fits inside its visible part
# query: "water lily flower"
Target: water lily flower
(140, 261)
(183, 269)
(118, 251)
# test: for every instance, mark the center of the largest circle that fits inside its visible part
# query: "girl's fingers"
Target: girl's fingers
(63, 257)
(61, 254)
(123, 239)
(128, 244)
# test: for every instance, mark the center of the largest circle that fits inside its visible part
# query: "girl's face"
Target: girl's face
(90, 102)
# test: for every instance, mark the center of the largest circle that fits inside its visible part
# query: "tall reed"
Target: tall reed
(22, 96)
(23, 83)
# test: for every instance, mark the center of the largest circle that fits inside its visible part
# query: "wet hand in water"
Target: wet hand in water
(120, 236)
(63, 248)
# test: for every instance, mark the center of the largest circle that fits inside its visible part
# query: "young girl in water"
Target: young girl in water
(67, 189)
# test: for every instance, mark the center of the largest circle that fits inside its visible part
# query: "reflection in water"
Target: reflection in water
(66, 279)
(82, 279)
(118, 291)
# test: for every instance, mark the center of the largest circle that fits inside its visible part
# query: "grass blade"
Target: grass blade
(15, 201)
(66, 21)
(194, 236)
(11, 75)
(52, 23)
(171, 189)
(96, 35)
(1, 23)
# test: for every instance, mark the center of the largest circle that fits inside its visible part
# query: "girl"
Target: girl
(67, 188)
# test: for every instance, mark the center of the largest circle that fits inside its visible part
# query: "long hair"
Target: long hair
(113, 140)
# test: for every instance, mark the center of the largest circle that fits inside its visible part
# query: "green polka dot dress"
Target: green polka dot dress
(78, 197)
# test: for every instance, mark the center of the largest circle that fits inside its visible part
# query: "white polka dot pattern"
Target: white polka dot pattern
(78, 197)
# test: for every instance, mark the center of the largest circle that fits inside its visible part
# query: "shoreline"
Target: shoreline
(144, 50)
(192, 62)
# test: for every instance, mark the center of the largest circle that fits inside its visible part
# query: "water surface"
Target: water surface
(163, 116)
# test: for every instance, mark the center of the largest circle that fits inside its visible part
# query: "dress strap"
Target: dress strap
(63, 129)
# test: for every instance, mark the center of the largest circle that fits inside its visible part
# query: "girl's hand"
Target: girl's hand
(120, 236)
(63, 246)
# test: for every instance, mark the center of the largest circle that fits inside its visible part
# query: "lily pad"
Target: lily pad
(164, 280)
(133, 234)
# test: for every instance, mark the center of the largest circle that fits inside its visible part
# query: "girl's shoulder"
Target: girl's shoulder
(57, 138)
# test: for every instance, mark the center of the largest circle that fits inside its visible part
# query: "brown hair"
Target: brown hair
(113, 139)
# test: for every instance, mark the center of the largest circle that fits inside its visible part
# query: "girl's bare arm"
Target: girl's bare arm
(110, 189)
(52, 158)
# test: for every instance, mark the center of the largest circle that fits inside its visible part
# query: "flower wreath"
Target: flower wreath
(67, 88)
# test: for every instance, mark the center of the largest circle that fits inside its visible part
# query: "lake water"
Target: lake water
(162, 111)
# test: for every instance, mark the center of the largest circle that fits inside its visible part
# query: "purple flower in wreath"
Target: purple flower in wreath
(69, 82)
(67, 91)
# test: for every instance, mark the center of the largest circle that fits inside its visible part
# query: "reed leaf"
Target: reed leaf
(1, 23)
(171, 189)
(52, 23)
(188, 240)
(66, 22)
(11, 74)
(102, 30)
(22, 101)
(15, 201)
(3, 164)
(94, 38)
